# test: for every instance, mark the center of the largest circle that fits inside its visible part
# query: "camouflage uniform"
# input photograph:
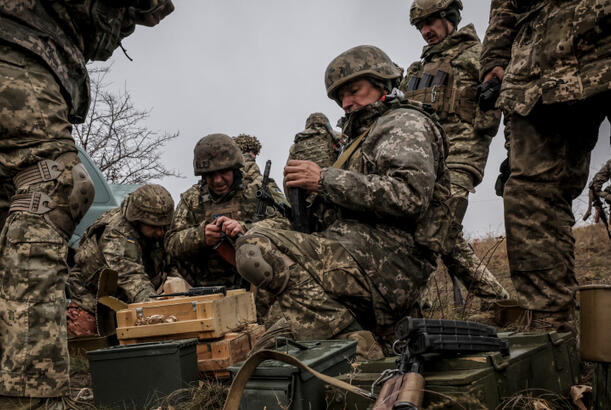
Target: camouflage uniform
(316, 143)
(602, 177)
(555, 91)
(249, 144)
(199, 264)
(115, 241)
(452, 65)
(375, 256)
(43, 88)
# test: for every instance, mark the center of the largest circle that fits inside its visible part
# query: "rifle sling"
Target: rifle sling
(239, 382)
(350, 150)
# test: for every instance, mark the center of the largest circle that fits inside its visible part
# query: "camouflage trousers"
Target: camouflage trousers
(549, 156)
(317, 286)
(34, 360)
(462, 262)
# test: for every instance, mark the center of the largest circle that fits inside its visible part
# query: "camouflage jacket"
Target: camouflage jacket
(388, 197)
(65, 34)
(553, 51)
(199, 264)
(455, 63)
(314, 144)
(112, 241)
(251, 169)
(602, 177)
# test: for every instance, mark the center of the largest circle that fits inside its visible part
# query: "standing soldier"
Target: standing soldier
(367, 267)
(317, 143)
(447, 78)
(598, 194)
(250, 147)
(128, 240)
(44, 87)
(219, 208)
(554, 61)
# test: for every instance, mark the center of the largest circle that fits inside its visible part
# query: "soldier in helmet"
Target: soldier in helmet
(554, 62)
(317, 143)
(128, 240)
(44, 189)
(366, 268)
(250, 147)
(598, 194)
(446, 77)
(220, 207)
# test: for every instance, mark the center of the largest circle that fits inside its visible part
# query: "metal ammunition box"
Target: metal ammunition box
(538, 361)
(275, 385)
(135, 376)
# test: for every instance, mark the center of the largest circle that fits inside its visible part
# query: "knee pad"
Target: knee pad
(260, 263)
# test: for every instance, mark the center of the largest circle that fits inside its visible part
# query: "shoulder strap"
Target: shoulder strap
(350, 150)
(239, 382)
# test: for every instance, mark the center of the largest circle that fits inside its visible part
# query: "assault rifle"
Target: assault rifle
(199, 291)
(487, 93)
(404, 386)
(265, 198)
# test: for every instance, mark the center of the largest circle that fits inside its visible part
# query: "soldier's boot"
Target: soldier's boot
(50, 199)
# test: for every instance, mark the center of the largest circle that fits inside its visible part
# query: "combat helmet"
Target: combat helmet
(447, 9)
(216, 152)
(248, 143)
(317, 118)
(150, 204)
(360, 61)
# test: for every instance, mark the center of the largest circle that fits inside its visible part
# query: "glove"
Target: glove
(504, 171)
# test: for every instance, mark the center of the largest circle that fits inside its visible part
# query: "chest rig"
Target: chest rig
(434, 83)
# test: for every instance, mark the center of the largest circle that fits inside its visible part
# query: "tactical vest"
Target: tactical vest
(435, 84)
(314, 145)
(436, 229)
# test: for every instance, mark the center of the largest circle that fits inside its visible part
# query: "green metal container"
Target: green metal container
(275, 385)
(538, 360)
(135, 376)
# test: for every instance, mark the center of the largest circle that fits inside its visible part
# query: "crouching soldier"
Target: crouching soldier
(387, 190)
(127, 240)
(215, 211)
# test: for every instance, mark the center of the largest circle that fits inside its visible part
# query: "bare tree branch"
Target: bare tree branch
(115, 136)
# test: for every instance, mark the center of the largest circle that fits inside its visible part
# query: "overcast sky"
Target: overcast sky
(257, 67)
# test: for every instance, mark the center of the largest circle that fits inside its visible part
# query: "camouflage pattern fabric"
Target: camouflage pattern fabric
(116, 243)
(34, 120)
(549, 157)
(370, 263)
(316, 142)
(199, 264)
(65, 35)
(248, 144)
(600, 178)
(552, 51)
(250, 169)
(469, 132)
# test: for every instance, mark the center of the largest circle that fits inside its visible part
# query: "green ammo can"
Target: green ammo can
(275, 385)
(135, 376)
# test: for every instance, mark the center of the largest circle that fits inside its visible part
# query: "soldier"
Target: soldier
(368, 266)
(250, 147)
(128, 240)
(317, 143)
(554, 61)
(44, 87)
(218, 208)
(597, 193)
(446, 78)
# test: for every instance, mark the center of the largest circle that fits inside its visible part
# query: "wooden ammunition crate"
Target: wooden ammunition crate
(215, 356)
(203, 317)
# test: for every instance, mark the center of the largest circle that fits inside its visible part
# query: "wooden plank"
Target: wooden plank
(160, 329)
(175, 300)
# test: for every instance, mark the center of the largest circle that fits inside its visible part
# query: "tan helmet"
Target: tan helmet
(248, 143)
(150, 204)
(360, 61)
(215, 152)
(448, 9)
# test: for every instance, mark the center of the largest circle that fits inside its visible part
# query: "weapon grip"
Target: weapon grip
(388, 393)
(411, 393)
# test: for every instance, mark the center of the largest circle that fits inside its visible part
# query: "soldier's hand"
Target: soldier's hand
(229, 226)
(498, 72)
(302, 174)
(212, 234)
(151, 17)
